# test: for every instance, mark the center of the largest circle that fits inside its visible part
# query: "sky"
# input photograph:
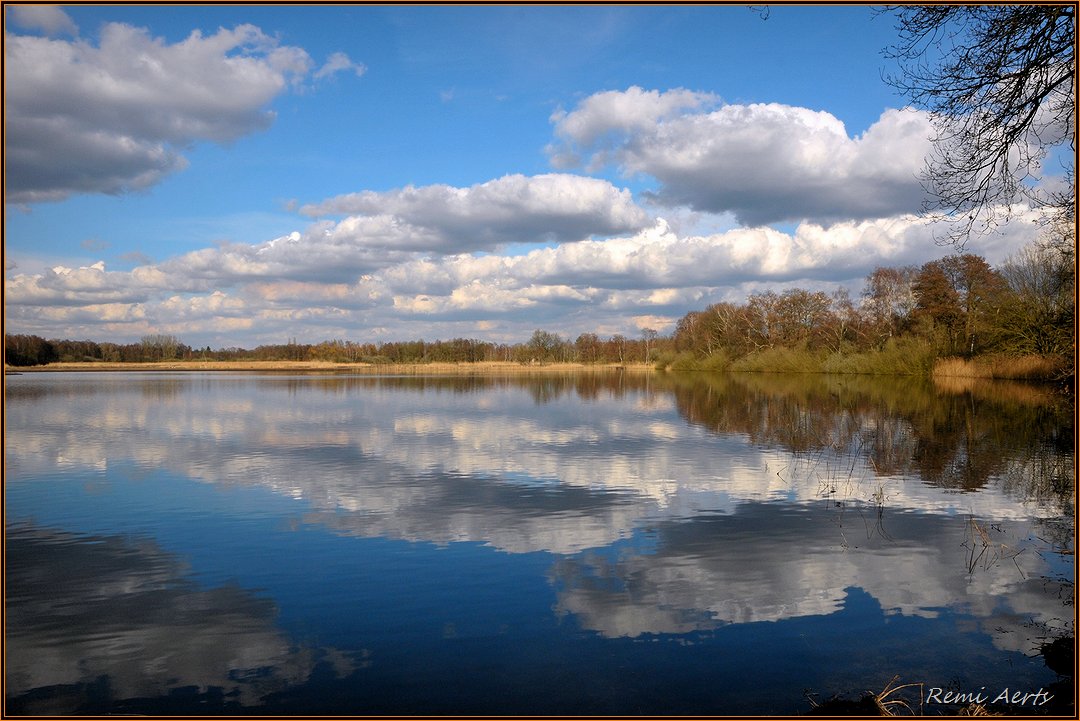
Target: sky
(244, 175)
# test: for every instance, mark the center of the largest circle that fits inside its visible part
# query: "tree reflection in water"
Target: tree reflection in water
(718, 511)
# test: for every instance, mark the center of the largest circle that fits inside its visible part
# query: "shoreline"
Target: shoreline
(507, 367)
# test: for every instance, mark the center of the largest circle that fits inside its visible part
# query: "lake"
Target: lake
(595, 543)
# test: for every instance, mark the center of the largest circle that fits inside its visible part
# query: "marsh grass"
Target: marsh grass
(984, 553)
(779, 360)
(899, 356)
(1029, 367)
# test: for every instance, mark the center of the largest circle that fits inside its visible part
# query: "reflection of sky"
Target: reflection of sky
(770, 561)
(362, 448)
(660, 526)
(85, 607)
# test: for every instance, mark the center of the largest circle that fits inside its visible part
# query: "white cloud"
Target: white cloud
(215, 305)
(339, 62)
(113, 118)
(511, 209)
(764, 163)
(93, 284)
(326, 252)
(607, 118)
(49, 19)
(323, 283)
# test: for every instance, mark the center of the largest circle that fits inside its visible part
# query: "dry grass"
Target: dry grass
(892, 706)
(486, 367)
(976, 709)
(1029, 367)
(870, 703)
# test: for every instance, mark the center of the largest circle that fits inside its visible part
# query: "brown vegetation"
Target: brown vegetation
(1015, 323)
(486, 367)
(1028, 367)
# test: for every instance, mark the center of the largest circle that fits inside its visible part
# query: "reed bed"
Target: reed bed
(1028, 367)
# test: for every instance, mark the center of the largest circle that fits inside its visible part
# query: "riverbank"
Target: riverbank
(486, 367)
(949, 371)
(906, 358)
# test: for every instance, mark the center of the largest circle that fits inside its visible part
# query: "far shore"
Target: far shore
(331, 367)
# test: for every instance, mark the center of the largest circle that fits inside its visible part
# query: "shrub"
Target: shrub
(780, 360)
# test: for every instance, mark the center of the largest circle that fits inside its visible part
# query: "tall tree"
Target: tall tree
(981, 292)
(648, 337)
(937, 308)
(544, 345)
(959, 301)
(999, 83)
(1041, 315)
(888, 301)
(160, 346)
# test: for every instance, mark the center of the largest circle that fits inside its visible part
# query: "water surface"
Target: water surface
(582, 544)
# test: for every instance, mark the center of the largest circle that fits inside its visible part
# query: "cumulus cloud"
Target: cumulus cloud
(440, 261)
(658, 258)
(48, 19)
(322, 283)
(511, 209)
(114, 117)
(764, 162)
(325, 252)
(603, 119)
(92, 284)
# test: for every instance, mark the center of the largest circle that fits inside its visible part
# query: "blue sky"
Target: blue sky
(237, 175)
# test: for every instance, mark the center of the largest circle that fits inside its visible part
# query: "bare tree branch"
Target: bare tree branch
(999, 81)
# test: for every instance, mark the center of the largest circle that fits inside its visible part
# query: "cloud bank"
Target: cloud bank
(511, 209)
(116, 117)
(390, 276)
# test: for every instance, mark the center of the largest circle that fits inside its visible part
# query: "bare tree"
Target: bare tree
(159, 346)
(888, 301)
(1041, 318)
(648, 335)
(999, 82)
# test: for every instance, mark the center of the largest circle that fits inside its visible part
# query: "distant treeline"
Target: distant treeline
(542, 347)
(906, 318)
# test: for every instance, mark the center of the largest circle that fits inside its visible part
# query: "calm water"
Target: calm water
(590, 544)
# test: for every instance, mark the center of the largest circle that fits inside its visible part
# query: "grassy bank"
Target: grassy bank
(902, 357)
(899, 357)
